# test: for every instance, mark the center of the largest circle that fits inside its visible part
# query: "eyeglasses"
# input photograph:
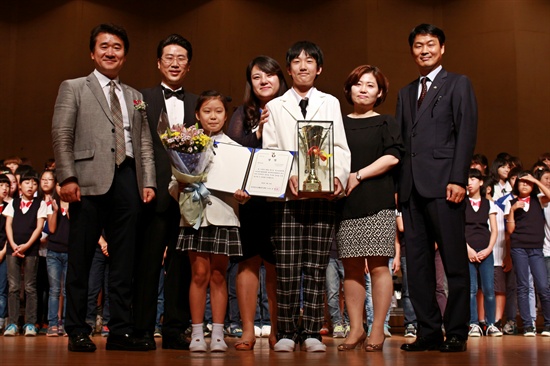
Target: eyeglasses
(169, 59)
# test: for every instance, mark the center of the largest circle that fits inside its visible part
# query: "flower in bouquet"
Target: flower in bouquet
(190, 152)
(188, 143)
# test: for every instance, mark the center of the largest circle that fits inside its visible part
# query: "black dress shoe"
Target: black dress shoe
(81, 342)
(453, 344)
(147, 339)
(125, 342)
(423, 344)
(181, 342)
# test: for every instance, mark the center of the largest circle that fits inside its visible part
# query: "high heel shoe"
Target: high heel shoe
(245, 345)
(371, 347)
(351, 346)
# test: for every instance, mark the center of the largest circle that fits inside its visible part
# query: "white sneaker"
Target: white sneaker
(493, 331)
(475, 331)
(11, 330)
(284, 345)
(30, 330)
(217, 345)
(198, 345)
(266, 331)
(313, 345)
(257, 331)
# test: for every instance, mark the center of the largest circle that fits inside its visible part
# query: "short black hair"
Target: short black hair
(427, 29)
(310, 49)
(177, 40)
(110, 29)
(22, 170)
(30, 174)
(475, 173)
(4, 179)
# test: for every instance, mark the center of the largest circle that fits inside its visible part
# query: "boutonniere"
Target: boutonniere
(139, 105)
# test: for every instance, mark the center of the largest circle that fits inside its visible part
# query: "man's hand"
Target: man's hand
(455, 193)
(148, 195)
(70, 192)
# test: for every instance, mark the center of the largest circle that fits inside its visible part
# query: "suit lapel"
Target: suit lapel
(291, 106)
(157, 104)
(94, 86)
(314, 104)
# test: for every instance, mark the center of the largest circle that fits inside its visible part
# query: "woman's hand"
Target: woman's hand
(352, 183)
(264, 117)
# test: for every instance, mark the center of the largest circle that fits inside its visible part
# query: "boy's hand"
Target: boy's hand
(338, 188)
(293, 184)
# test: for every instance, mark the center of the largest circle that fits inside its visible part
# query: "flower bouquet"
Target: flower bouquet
(190, 153)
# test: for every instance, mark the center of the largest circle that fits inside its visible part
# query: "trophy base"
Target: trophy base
(312, 187)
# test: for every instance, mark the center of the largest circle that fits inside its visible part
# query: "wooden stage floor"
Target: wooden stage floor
(507, 350)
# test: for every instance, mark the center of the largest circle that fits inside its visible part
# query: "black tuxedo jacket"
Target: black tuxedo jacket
(154, 98)
(439, 137)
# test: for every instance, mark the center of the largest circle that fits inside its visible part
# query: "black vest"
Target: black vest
(3, 236)
(529, 231)
(59, 241)
(477, 228)
(23, 225)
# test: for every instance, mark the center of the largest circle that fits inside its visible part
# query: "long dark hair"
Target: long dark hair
(251, 101)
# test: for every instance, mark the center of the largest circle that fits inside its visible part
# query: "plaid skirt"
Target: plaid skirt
(211, 239)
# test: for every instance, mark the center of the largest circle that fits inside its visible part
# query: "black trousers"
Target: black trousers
(161, 230)
(427, 222)
(115, 214)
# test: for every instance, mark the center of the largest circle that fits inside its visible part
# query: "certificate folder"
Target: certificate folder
(259, 172)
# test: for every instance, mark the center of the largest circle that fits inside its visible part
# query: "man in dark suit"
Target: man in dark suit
(438, 117)
(104, 158)
(161, 221)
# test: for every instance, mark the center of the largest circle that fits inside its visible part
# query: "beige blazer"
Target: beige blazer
(84, 140)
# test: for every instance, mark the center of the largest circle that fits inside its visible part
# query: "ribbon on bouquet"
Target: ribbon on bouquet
(198, 194)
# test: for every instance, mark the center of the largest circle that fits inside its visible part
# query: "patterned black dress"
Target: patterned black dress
(368, 213)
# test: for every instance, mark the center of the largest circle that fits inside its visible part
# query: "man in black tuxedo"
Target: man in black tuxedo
(161, 221)
(438, 117)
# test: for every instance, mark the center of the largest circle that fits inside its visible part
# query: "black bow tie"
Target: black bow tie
(169, 93)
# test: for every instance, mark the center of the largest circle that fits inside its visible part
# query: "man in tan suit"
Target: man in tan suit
(105, 165)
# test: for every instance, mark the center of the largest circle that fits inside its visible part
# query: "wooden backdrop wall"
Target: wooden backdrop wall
(503, 45)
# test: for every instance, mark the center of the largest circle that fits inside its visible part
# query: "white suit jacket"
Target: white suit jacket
(280, 130)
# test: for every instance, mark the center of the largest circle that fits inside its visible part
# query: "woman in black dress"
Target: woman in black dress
(367, 229)
(264, 81)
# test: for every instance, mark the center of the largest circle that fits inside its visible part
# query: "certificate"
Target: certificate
(259, 172)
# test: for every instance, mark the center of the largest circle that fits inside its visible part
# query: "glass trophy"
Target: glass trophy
(315, 158)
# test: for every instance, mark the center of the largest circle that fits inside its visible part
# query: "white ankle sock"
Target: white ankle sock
(217, 331)
(197, 331)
